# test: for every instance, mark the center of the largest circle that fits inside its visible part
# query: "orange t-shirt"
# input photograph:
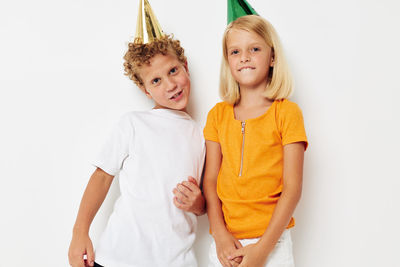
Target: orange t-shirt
(250, 178)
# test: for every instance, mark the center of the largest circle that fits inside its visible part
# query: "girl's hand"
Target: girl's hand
(188, 197)
(226, 245)
(253, 256)
(81, 245)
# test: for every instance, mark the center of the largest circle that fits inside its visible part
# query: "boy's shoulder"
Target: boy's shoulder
(128, 116)
(128, 119)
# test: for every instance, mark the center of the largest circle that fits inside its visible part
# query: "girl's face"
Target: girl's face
(249, 58)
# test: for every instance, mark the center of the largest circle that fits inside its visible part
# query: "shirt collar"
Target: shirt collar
(171, 113)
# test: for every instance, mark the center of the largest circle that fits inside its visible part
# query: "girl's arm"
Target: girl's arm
(224, 240)
(94, 195)
(257, 254)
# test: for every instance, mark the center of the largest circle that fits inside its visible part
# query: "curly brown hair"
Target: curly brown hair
(139, 54)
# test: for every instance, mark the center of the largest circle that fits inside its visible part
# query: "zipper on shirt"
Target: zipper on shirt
(241, 160)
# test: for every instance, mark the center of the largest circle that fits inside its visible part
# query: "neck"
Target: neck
(252, 97)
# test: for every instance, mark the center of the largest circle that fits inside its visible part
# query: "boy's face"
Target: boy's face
(166, 80)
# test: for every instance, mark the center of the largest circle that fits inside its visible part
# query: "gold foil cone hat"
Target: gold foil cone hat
(153, 28)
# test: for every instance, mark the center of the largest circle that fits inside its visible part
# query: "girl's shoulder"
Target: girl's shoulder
(221, 107)
(222, 111)
(286, 106)
(288, 113)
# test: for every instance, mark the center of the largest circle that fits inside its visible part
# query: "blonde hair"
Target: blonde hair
(280, 83)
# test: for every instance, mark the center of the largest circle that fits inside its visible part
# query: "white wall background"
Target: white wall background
(62, 88)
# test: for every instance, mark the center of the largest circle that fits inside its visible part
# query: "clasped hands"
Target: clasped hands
(231, 253)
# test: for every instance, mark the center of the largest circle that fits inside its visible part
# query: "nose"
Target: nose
(245, 57)
(170, 84)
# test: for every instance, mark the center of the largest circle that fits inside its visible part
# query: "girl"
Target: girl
(255, 143)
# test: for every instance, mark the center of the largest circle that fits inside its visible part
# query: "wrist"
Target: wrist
(201, 207)
(264, 246)
(199, 212)
(80, 230)
(219, 231)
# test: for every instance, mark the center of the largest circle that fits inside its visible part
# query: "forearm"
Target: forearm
(93, 197)
(280, 218)
(293, 157)
(213, 203)
(214, 207)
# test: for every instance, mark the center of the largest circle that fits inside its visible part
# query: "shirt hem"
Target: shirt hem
(106, 262)
(106, 169)
(255, 234)
(211, 139)
(295, 140)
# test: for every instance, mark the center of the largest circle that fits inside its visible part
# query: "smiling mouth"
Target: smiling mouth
(176, 95)
(247, 68)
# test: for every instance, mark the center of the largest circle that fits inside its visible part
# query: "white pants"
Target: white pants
(280, 256)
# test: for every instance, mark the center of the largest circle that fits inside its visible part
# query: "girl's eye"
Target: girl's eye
(255, 49)
(234, 52)
(156, 81)
(173, 70)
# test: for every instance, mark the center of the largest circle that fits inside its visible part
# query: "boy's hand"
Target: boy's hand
(226, 245)
(253, 256)
(188, 197)
(81, 245)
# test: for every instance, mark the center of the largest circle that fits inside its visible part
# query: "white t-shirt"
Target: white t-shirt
(152, 151)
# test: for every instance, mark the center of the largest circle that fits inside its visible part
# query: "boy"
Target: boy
(154, 221)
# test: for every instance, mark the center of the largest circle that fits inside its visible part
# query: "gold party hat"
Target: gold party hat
(153, 28)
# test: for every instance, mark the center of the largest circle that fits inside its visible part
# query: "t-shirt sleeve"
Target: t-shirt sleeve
(210, 130)
(116, 147)
(292, 124)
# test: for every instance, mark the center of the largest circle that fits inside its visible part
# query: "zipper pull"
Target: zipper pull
(243, 124)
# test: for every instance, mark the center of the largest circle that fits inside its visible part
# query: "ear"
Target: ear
(272, 62)
(145, 91)
(186, 67)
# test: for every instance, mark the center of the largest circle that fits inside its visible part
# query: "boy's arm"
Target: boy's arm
(94, 195)
(257, 254)
(225, 242)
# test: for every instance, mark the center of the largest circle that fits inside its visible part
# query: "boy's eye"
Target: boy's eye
(173, 70)
(155, 81)
(234, 52)
(255, 49)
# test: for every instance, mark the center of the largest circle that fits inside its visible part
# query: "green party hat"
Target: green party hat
(239, 8)
(153, 28)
